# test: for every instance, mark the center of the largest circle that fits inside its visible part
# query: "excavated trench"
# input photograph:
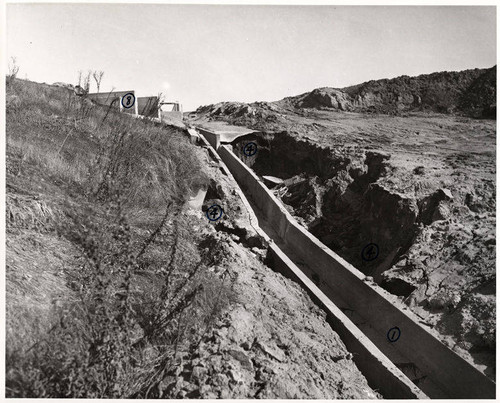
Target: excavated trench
(335, 195)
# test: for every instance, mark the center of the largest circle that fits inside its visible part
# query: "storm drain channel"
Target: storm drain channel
(388, 324)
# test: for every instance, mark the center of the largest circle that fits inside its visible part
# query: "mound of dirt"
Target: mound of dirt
(442, 92)
(469, 92)
(326, 97)
(479, 100)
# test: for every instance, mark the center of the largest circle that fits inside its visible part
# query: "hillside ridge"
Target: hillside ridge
(469, 93)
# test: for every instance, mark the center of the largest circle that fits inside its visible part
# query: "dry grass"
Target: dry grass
(49, 160)
(105, 281)
(25, 212)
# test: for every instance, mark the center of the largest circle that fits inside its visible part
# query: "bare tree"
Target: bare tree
(159, 100)
(86, 82)
(80, 78)
(13, 67)
(13, 70)
(98, 78)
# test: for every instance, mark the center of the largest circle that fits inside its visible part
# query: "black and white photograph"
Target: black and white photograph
(219, 200)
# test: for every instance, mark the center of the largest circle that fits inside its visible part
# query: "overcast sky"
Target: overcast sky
(202, 54)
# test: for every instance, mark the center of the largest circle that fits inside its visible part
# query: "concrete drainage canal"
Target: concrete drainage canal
(338, 196)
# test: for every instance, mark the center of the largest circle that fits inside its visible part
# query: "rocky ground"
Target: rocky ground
(273, 342)
(421, 186)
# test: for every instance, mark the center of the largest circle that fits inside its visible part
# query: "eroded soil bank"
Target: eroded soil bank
(273, 341)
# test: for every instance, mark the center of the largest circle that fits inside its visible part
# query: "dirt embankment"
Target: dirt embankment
(466, 93)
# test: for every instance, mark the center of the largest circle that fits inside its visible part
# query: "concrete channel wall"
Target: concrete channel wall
(378, 370)
(213, 138)
(148, 106)
(438, 371)
(114, 99)
(171, 115)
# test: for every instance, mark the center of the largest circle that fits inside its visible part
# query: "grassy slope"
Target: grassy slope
(99, 268)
